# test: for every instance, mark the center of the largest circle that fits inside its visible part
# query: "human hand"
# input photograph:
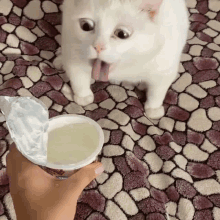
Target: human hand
(39, 196)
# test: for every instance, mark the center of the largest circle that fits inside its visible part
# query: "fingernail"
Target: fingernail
(99, 170)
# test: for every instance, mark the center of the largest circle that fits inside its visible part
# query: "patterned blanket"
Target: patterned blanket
(154, 169)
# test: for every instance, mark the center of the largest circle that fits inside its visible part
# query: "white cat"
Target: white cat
(123, 40)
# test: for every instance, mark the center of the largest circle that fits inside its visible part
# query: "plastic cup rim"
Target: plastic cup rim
(87, 160)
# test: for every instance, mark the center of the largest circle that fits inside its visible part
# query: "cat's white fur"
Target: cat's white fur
(151, 55)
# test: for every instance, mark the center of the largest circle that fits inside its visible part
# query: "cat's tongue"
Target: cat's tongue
(100, 70)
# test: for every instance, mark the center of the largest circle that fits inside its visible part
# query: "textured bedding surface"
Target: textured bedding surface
(154, 169)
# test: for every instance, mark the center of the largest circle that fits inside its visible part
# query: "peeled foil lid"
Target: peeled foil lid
(27, 119)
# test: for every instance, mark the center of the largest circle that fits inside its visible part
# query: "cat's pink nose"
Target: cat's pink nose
(99, 47)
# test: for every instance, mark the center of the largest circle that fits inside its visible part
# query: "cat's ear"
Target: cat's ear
(151, 6)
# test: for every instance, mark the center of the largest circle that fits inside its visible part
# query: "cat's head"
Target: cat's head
(117, 29)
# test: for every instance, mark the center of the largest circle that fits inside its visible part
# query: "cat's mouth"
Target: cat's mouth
(100, 70)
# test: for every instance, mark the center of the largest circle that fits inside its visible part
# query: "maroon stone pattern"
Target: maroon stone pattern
(154, 169)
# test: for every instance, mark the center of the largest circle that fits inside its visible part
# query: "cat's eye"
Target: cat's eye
(87, 24)
(122, 34)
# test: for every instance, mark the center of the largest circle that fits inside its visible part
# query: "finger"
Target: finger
(12, 146)
(16, 156)
(16, 162)
(9, 157)
(84, 176)
(9, 164)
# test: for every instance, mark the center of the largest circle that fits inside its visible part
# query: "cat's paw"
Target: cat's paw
(154, 113)
(58, 63)
(83, 101)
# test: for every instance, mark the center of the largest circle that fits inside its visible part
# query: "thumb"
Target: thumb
(78, 181)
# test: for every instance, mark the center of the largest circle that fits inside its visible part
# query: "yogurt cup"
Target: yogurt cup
(29, 125)
(63, 171)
